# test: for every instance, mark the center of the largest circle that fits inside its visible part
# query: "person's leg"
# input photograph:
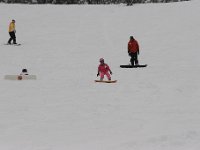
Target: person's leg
(9, 41)
(14, 38)
(136, 58)
(108, 76)
(101, 76)
(132, 59)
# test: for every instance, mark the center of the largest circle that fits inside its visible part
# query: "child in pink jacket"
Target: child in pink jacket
(104, 69)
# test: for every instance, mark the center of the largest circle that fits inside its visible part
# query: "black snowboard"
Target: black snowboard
(13, 44)
(130, 66)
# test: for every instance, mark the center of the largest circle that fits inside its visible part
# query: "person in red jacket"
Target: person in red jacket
(133, 51)
(103, 69)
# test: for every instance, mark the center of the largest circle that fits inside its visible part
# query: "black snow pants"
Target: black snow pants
(12, 37)
(134, 58)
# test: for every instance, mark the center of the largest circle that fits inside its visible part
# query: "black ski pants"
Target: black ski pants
(134, 58)
(12, 37)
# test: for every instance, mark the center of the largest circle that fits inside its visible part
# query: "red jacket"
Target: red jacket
(133, 46)
(104, 68)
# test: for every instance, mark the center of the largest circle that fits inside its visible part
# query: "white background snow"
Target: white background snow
(153, 108)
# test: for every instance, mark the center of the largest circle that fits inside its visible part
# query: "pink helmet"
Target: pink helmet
(101, 60)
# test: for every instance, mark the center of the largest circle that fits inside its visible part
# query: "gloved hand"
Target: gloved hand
(97, 74)
(111, 72)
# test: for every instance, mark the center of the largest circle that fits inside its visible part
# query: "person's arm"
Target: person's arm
(128, 48)
(138, 49)
(109, 69)
(98, 72)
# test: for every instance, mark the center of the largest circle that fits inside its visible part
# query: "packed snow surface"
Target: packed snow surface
(152, 108)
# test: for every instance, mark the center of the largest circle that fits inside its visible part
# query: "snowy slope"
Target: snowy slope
(152, 108)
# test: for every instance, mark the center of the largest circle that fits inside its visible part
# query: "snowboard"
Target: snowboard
(13, 44)
(20, 77)
(130, 66)
(113, 81)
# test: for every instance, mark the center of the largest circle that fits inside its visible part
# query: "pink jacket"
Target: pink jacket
(104, 68)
